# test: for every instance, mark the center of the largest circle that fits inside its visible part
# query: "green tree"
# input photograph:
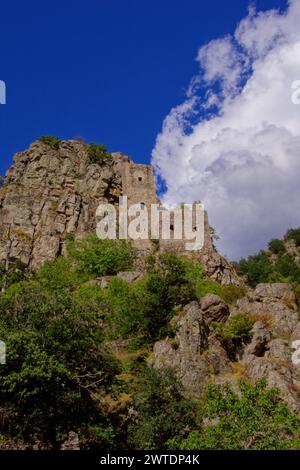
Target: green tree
(254, 418)
(56, 365)
(276, 246)
(101, 257)
(293, 234)
(162, 411)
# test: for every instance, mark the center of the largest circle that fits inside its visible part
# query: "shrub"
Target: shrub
(16, 272)
(97, 153)
(171, 282)
(276, 246)
(56, 365)
(253, 418)
(101, 257)
(293, 234)
(52, 141)
(229, 293)
(162, 411)
(125, 308)
(236, 328)
(257, 268)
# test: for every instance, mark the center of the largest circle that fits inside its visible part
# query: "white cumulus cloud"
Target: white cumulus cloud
(235, 142)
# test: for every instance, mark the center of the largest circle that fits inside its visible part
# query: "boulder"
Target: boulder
(131, 276)
(196, 356)
(274, 304)
(214, 309)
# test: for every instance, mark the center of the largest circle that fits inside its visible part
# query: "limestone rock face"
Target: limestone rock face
(49, 194)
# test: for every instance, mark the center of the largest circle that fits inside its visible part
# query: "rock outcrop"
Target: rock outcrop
(199, 357)
(51, 194)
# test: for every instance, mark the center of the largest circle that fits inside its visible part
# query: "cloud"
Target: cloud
(235, 142)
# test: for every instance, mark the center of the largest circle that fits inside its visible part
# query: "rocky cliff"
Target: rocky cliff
(52, 192)
(200, 354)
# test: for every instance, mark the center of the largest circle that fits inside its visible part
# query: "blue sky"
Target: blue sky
(106, 70)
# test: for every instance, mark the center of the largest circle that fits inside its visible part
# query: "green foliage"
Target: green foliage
(293, 234)
(254, 419)
(146, 307)
(229, 293)
(97, 153)
(162, 411)
(284, 268)
(13, 274)
(125, 308)
(56, 362)
(52, 141)
(236, 328)
(257, 268)
(276, 246)
(101, 257)
(171, 282)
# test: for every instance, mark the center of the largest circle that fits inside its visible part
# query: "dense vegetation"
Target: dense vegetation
(277, 264)
(76, 359)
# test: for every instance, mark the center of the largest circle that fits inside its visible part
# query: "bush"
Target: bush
(229, 293)
(293, 234)
(257, 268)
(237, 328)
(125, 308)
(56, 365)
(253, 418)
(171, 282)
(276, 246)
(162, 411)
(101, 257)
(16, 272)
(97, 153)
(52, 141)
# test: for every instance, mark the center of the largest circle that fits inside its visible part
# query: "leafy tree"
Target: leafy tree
(56, 365)
(252, 418)
(161, 410)
(101, 257)
(257, 268)
(171, 282)
(293, 234)
(15, 272)
(276, 246)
